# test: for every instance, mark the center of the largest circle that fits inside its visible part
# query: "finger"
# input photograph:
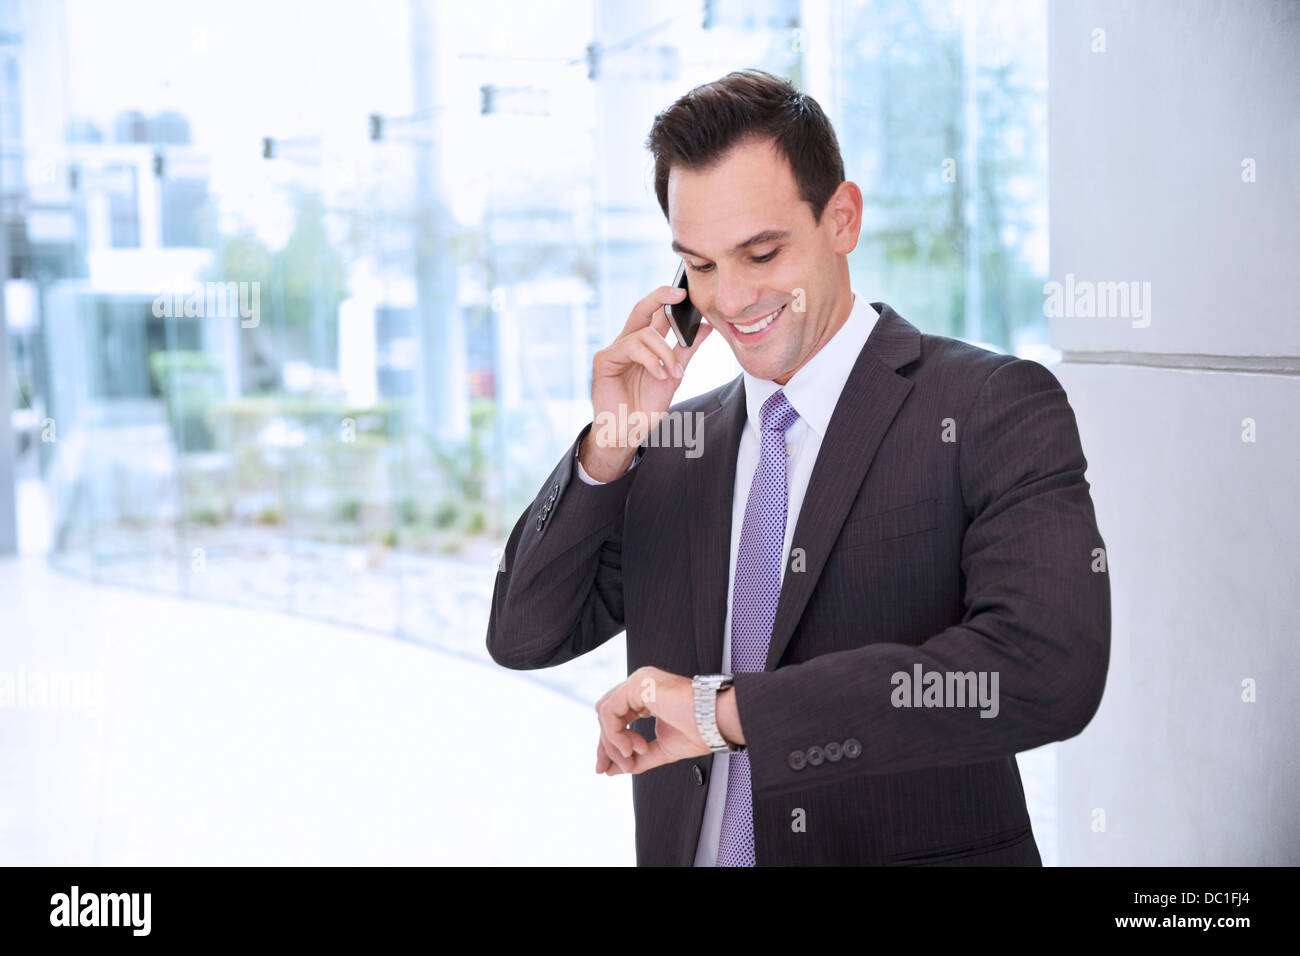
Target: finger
(660, 347)
(654, 757)
(633, 708)
(614, 759)
(627, 703)
(615, 734)
(612, 769)
(619, 708)
(639, 744)
(659, 321)
(614, 711)
(624, 748)
(639, 350)
(640, 747)
(603, 760)
(643, 312)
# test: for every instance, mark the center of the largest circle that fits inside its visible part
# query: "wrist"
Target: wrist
(729, 717)
(601, 463)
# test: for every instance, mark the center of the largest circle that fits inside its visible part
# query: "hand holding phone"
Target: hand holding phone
(634, 379)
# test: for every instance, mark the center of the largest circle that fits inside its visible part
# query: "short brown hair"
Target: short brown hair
(698, 129)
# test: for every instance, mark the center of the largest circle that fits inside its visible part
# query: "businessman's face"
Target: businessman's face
(767, 276)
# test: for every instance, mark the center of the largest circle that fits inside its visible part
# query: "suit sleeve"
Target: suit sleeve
(1037, 614)
(559, 586)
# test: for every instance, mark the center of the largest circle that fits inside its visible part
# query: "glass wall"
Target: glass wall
(302, 298)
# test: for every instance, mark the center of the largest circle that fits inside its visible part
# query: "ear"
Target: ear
(843, 216)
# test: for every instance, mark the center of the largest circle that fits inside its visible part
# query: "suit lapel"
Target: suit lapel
(866, 408)
(710, 482)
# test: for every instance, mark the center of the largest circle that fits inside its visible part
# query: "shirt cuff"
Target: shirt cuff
(582, 472)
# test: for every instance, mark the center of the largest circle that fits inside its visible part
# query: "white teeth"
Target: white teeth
(760, 325)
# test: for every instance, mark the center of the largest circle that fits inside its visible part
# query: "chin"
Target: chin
(763, 370)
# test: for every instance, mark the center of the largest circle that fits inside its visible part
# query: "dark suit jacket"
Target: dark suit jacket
(972, 554)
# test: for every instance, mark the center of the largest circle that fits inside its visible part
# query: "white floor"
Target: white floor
(235, 736)
(228, 735)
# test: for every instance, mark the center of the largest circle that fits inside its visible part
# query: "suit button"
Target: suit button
(539, 522)
(833, 751)
(796, 760)
(852, 748)
(816, 756)
(698, 774)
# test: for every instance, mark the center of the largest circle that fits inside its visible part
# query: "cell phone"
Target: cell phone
(684, 316)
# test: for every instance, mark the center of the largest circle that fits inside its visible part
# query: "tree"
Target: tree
(301, 287)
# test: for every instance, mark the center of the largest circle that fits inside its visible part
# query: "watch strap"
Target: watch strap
(706, 688)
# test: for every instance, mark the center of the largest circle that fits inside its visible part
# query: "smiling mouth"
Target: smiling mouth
(756, 327)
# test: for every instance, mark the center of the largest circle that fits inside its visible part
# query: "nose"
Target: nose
(735, 295)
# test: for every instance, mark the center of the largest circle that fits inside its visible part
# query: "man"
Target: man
(878, 579)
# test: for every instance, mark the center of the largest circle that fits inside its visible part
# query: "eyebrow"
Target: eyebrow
(767, 235)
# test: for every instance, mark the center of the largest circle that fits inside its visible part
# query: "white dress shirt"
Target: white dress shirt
(813, 392)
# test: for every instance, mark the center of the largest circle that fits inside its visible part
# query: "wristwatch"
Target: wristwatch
(706, 710)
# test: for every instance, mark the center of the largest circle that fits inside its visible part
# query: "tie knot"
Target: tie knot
(778, 414)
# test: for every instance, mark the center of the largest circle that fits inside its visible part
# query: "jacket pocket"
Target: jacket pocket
(898, 522)
(941, 855)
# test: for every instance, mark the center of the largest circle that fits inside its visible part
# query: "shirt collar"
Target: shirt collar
(814, 390)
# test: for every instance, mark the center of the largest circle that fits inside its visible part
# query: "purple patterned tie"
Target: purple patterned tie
(753, 609)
